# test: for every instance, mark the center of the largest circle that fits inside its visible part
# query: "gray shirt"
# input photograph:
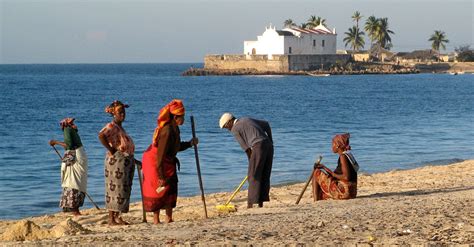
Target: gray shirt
(249, 131)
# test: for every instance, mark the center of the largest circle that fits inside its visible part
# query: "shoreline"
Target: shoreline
(425, 205)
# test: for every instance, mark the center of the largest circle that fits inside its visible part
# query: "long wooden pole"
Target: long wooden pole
(88, 196)
(203, 198)
(309, 180)
(140, 179)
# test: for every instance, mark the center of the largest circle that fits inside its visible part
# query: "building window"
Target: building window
(289, 50)
(322, 43)
(314, 42)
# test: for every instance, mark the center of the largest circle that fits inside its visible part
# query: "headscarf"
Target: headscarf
(342, 141)
(175, 107)
(111, 108)
(68, 122)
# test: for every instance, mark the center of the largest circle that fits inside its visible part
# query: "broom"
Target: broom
(227, 207)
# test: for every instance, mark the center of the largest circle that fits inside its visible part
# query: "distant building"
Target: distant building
(293, 41)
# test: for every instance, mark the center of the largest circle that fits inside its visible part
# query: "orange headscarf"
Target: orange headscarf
(342, 141)
(68, 122)
(175, 107)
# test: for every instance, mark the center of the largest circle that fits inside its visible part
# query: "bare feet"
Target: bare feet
(120, 221)
(249, 205)
(76, 213)
(260, 204)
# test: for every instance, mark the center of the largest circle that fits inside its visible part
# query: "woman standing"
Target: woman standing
(341, 183)
(160, 181)
(73, 168)
(119, 163)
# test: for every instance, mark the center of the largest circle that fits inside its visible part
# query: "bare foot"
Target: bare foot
(113, 223)
(169, 220)
(120, 221)
(249, 205)
(260, 204)
(76, 213)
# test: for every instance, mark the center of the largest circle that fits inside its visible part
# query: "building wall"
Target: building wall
(240, 62)
(304, 44)
(269, 43)
(315, 62)
(277, 63)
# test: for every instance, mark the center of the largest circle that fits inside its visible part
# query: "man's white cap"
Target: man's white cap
(225, 118)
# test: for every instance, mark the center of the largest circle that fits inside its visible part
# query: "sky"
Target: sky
(179, 31)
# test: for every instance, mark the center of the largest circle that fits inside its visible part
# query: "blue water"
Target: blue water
(396, 122)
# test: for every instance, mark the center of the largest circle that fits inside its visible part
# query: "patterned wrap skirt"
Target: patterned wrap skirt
(119, 172)
(71, 199)
(331, 188)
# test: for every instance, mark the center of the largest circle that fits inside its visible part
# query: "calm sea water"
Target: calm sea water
(396, 122)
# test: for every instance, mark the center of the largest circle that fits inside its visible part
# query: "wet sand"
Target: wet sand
(427, 205)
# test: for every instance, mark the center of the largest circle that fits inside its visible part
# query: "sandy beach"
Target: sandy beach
(427, 205)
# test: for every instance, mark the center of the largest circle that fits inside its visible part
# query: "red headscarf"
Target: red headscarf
(175, 107)
(342, 141)
(68, 122)
(110, 109)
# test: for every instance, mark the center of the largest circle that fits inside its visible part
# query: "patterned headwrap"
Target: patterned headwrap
(68, 122)
(175, 107)
(342, 141)
(111, 108)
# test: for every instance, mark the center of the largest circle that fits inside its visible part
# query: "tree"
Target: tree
(355, 38)
(438, 40)
(304, 25)
(289, 23)
(377, 29)
(314, 21)
(464, 54)
(356, 17)
(371, 27)
(382, 34)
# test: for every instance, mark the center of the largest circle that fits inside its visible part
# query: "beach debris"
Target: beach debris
(320, 224)
(372, 238)
(404, 232)
(26, 230)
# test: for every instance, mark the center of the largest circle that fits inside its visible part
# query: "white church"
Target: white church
(293, 41)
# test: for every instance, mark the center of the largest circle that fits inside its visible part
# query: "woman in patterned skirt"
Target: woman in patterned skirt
(73, 168)
(160, 181)
(119, 164)
(341, 183)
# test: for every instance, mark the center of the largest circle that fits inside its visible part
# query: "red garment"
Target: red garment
(331, 188)
(167, 197)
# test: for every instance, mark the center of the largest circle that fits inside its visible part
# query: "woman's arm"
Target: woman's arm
(105, 143)
(344, 169)
(163, 140)
(55, 142)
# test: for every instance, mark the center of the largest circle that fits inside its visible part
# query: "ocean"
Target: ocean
(395, 121)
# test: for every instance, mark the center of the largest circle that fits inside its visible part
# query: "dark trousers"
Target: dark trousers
(260, 168)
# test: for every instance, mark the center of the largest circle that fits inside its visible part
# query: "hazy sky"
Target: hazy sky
(137, 31)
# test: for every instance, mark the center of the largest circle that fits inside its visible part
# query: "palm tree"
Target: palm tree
(314, 21)
(382, 34)
(304, 25)
(356, 17)
(371, 27)
(355, 38)
(438, 39)
(289, 23)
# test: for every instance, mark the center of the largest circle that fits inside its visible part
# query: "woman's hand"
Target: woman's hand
(53, 142)
(194, 141)
(319, 166)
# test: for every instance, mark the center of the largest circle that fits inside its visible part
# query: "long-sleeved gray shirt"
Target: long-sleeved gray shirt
(249, 131)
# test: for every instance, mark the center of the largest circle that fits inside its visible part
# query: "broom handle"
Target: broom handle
(140, 179)
(236, 191)
(88, 196)
(309, 180)
(203, 198)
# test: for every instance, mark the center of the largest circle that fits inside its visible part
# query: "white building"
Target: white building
(293, 40)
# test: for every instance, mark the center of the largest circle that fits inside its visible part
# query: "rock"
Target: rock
(320, 224)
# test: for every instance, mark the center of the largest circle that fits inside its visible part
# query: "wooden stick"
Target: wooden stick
(88, 196)
(309, 180)
(203, 198)
(140, 179)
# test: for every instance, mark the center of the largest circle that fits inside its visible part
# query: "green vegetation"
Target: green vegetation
(355, 38)
(464, 53)
(438, 40)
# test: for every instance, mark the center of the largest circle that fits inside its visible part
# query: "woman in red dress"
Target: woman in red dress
(160, 181)
(341, 183)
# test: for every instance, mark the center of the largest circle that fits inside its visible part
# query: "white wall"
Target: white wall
(270, 43)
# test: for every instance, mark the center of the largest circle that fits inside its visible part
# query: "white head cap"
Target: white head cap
(225, 118)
